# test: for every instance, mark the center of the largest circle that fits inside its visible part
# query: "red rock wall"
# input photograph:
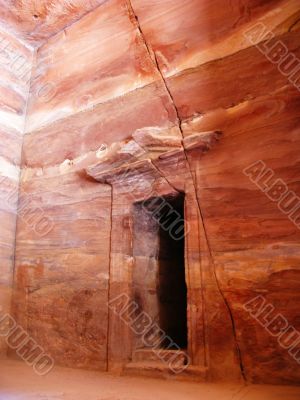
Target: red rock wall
(102, 93)
(219, 81)
(118, 70)
(36, 20)
(15, 67)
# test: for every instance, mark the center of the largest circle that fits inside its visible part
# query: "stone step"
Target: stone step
(153, 369)
(160, 355)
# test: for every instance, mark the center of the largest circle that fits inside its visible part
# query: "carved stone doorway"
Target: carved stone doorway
(159, 281)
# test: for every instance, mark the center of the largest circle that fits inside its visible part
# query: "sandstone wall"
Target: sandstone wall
(182, 67)
(106, 88)
(220, 81)
(15, 67)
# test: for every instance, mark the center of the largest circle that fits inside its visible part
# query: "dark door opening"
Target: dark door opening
(159, 286)
(172, 289)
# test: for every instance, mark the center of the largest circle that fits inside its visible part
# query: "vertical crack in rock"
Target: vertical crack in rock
(294, 24)
(109, 276)
(155, 61)
(165, 178)
(154, 58)
(238, 350)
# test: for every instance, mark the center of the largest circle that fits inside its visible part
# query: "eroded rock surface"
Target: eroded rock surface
(146, 99)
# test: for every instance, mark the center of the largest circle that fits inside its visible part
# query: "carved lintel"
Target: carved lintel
(127, 172)
(127, 160)
(171, 154)
(202, 141)
(155, 142)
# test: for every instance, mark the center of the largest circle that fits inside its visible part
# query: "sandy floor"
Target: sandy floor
(18, 382)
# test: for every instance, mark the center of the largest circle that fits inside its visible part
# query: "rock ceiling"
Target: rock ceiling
(36, 20)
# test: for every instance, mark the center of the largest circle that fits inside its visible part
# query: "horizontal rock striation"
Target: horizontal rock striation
(133, 100)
